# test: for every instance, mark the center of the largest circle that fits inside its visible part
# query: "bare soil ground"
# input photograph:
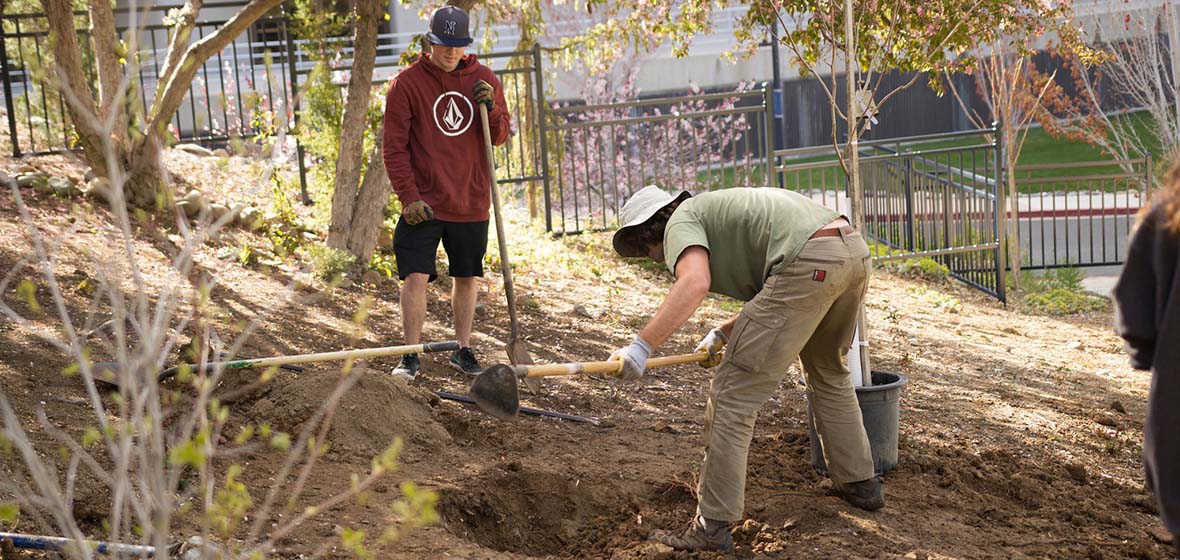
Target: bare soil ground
(1020, 435)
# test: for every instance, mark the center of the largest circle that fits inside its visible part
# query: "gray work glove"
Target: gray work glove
(634, 357)
(417, 212)
(483, 93)
(713, 342)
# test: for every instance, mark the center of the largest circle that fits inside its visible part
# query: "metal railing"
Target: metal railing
(238, 93)
(1082, 218)
(930, 196)
(601, 154)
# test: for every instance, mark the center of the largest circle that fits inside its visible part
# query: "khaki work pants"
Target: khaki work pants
(809, 311)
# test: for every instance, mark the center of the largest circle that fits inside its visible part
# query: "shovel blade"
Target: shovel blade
(518, 355)
(495, 391)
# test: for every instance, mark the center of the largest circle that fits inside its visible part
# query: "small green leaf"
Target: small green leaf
(27, 291)
(90, 436)
(9, 512)
(281, 441)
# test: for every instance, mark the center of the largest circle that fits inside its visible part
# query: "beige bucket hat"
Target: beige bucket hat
(638, 209)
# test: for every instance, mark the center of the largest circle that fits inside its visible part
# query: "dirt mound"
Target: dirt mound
(376, 409)
(515, 509)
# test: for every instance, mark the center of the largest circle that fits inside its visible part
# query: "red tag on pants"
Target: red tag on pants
(819, 275)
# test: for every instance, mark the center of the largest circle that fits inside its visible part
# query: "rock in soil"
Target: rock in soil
(1076, 472)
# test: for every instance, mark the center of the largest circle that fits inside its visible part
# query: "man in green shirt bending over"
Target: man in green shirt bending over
(803, 271)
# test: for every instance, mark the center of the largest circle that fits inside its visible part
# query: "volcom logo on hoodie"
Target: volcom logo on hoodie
(452, 113)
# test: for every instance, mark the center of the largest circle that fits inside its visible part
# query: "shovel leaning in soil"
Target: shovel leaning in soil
(108, 372)
(496, 392)
(517, 353)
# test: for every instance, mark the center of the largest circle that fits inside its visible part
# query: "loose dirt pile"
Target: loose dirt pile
(374, 410)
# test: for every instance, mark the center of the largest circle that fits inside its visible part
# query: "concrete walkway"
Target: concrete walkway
(1100, 280)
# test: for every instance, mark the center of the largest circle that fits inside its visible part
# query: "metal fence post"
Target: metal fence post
(1001, 221)
(768, 128)
(304, 197)
(542, 133)
(1148, 179)
(8, 102)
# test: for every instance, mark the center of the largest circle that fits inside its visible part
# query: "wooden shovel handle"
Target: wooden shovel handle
(609, 367)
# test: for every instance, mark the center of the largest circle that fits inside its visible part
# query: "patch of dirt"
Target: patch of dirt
(373, 411)
(1019, 435)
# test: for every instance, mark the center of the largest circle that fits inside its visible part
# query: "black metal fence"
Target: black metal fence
(601, 154)
(1081, 218)
(929, 196)
(245, 90)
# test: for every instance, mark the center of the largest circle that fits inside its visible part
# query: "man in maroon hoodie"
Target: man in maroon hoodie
(436, 161)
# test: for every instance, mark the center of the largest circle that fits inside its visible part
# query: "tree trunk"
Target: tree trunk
(369, 213)
(528, 109)
(1013, 233)
(110, 71)
(73, 84)
(355, 122)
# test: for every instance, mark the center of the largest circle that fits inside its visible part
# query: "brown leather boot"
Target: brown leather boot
(699, 534)
(868, 495)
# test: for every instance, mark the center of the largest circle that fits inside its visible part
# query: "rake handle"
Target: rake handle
(321, 357)
(609, 367)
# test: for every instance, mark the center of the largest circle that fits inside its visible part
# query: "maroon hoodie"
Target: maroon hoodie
(433, 140)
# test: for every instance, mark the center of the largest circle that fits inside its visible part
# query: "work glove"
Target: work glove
(713, 342)
(417, 212)
(634, 357)
(483, 93)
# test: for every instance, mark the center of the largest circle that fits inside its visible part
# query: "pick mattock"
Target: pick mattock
(496, 392)
(517, 353)
(108, 372)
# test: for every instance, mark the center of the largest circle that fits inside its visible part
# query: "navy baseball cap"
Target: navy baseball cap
(448, 27)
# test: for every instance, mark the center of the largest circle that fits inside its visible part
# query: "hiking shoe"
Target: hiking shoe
(695, 536)
(464, 360)
(408, 367)
(868, 495)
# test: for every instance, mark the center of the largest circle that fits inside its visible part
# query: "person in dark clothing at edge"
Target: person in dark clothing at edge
(437, 163)
(1147, 316)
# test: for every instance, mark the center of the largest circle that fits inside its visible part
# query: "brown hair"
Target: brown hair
(651, 233)
(1168, 199)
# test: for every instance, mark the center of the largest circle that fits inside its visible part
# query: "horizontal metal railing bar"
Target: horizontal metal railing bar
(656, 118)
(521, 179)
(877, 143)
(661, 101)
(807, 166)
(1077, 179)
(1046, 166)
(938, 252)
(920, 153)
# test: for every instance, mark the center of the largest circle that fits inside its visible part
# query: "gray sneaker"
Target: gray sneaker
(696, 537)
(464, 360)
(408, 368)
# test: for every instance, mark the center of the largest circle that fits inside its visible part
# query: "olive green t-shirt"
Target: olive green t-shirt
(750, 233)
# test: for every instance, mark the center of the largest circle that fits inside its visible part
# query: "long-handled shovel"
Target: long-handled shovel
(517, 353)
(107, 371)
(496, 392)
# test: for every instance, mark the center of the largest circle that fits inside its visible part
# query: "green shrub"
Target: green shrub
(925, 268)
(327, 263)
(1062, 301)
(1057, 292)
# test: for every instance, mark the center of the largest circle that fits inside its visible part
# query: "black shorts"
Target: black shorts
(416, 247)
